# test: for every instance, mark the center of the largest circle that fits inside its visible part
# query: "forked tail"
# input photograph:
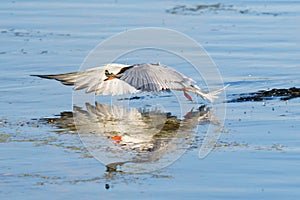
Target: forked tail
(211, 96)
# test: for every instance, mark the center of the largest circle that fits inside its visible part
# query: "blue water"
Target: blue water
(255, 45)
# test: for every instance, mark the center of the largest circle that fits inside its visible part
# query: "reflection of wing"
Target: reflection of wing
(133, 129)
(93, 80)
(154, 78)
(143, 138)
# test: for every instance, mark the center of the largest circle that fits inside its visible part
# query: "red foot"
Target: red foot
(187, 95)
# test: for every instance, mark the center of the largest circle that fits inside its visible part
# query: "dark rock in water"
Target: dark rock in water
(285, 94)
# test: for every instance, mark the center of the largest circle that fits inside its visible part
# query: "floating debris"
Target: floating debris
(31, 33)
(64, 122)
(215, 8)
(185, 10)
(44, 52)
(4, 137)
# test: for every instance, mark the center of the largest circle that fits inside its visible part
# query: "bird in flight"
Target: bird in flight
(118, 79)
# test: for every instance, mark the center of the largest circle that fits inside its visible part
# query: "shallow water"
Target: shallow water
(255, 46)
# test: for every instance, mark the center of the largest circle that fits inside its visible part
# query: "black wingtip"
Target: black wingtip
(34, 75)
(42, 76)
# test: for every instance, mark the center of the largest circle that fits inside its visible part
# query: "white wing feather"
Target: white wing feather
(141, 77)
(93, 80)
(154, 78)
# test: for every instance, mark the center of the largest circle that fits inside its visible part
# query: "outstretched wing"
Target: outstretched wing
(93, 80)
(154, 78)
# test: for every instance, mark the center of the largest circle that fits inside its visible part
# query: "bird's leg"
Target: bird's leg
(188, 115)
(187, 95)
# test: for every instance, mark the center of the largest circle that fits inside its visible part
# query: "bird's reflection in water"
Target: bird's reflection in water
(133, 140)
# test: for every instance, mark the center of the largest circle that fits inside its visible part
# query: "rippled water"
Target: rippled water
(255, 46)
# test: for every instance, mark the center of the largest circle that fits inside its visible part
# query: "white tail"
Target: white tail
(211, 96)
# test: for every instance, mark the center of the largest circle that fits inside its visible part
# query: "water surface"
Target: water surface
(255, 46)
